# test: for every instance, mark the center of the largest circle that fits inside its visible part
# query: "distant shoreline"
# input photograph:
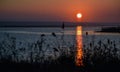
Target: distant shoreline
(52, 24)
(110, 29)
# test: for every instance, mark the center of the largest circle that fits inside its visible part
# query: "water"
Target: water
(27, 34)
(79, 50)
(33, 33)
(55, 37)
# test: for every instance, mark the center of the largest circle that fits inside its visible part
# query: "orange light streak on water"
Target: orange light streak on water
(79, 52)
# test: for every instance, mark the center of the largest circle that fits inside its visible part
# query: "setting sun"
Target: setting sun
(79, 15)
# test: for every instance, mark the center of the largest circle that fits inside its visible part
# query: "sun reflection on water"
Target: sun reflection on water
(79, 52)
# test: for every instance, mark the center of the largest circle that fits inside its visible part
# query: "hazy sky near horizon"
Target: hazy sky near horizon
(60, 10)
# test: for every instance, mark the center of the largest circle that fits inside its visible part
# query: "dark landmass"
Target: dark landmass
(52, 24)
(26, 67)
(110, 29)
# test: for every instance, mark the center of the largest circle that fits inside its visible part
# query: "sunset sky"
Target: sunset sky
(60, 10)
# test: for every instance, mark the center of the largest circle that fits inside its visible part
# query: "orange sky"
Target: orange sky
(60, 10)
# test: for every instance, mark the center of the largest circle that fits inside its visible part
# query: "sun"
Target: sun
(79, 15)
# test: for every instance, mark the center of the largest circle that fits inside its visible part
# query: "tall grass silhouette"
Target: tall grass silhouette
(102, 56)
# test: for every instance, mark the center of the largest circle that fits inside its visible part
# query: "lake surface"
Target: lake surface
(57, 36)
(31, 34)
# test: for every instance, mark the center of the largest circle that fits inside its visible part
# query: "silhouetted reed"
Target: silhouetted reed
(101, 56)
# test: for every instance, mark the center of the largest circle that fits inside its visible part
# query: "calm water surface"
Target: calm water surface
(71, 35)
(32, 34)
